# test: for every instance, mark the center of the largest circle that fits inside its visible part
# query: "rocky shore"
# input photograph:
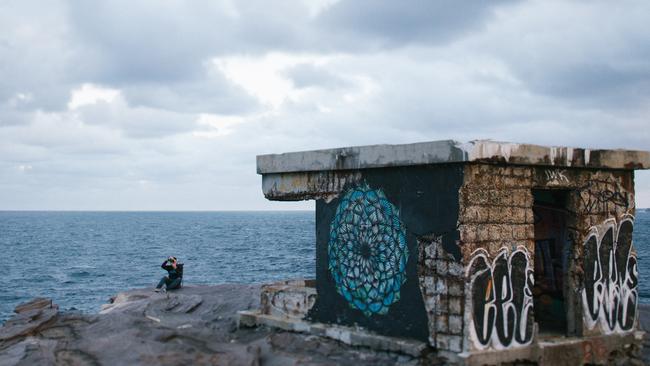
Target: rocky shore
(195, 325)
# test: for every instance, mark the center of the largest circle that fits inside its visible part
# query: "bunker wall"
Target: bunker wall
(381, 288)
(497, 240)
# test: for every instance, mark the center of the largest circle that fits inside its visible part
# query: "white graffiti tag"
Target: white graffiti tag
(556, 176)
(502, 300)
(610, 295)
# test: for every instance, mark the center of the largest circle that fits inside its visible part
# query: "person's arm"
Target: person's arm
(164, 266)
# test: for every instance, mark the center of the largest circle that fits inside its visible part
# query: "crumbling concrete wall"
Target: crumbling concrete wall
(497, 241)
(442, 283)
(291, 299)
(602, 280)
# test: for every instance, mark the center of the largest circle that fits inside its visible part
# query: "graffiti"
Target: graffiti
(502, 299)
(594, 199)
(556, 176)
(610, 295)
(367, 250)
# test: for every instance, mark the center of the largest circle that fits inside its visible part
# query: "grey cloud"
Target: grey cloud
(592, 83)
(143, 41)
(308, 75)
(210, 95)
(166, 42)
(137, 122)
(11, 116)
(35, 53)
(387, 23)
(155, 42)
(592, 54)
(542, 72)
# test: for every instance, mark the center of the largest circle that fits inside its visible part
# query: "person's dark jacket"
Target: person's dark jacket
(173, 273)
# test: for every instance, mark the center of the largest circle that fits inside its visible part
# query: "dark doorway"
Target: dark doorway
(550, 212)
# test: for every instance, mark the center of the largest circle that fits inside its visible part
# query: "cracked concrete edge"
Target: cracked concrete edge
(347, 335)
(450, 151)
(542, 351)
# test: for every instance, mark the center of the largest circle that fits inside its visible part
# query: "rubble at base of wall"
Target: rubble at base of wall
(292, 298)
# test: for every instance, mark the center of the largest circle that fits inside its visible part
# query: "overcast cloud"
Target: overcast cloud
(149, 105)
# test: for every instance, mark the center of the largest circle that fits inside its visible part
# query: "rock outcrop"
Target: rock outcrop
(193, 326)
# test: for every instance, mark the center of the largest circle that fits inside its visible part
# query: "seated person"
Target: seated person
(175, 274)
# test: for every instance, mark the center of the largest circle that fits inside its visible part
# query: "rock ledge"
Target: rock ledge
(195, 325)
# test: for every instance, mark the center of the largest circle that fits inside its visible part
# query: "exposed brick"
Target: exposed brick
(455, 305)
(519, 215)
(471, 214)
(520, 197)
(442, 266)
(482, 233)
(441, 286)
(497, 214)
(455, 286)
(455, 324)
(522, 232)
(456, 270)
(496, 206)
(522, 172)
(431, 301)
(513, 182)
(495, 232)
(453, 343)
(530, 218)
(468, 232)
(443, 303)
(428, 282)
(442, 323)
(429, 263)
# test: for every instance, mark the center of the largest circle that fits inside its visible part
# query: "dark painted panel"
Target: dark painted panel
(354, 282)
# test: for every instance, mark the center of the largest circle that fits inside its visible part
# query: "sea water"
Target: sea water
(81, 259)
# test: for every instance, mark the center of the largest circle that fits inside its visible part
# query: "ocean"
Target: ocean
(81, 259)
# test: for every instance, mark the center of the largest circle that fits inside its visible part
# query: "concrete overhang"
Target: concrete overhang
(449, 151)
(322, 173)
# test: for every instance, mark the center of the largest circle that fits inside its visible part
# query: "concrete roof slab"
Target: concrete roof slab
(449, 151)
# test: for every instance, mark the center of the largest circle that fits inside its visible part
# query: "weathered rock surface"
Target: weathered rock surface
(193, 325)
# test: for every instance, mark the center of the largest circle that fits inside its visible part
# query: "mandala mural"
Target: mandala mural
(367, 250)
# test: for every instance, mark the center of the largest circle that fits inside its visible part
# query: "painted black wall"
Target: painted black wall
(427, 199)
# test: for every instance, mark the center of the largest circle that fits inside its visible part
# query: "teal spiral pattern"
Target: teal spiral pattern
(367, 251)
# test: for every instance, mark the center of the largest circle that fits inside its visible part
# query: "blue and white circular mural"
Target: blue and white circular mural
(367, 250)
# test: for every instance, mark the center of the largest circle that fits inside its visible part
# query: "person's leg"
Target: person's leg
(163, 281)
(174, 284)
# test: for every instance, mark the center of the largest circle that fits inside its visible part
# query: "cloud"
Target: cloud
(150, 105)
(307, 75)
(35, 54)
(136, 122)
(590, 53)
(211, 94)
(368, 23)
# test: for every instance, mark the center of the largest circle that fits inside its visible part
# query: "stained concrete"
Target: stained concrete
(449, 151)
(347, 335)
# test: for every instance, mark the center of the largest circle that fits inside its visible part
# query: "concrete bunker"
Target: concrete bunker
(484, 252)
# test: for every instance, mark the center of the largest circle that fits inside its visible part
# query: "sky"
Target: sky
(163, 105)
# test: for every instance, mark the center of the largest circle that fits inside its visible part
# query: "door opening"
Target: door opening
(550, 213)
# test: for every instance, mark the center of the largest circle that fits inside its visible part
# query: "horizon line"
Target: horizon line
(84, 210)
